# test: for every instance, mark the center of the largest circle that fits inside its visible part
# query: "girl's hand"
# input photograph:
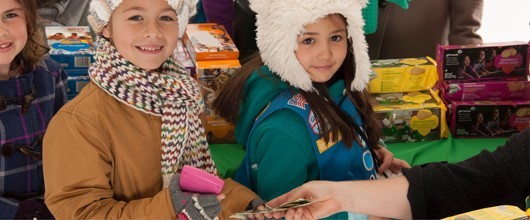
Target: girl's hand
(387, 160)
(260, 216)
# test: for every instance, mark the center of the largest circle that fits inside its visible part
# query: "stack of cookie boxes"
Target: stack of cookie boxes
(405, 103)
(486, 88)
(72, 47)
(183, 57)
(216, 59)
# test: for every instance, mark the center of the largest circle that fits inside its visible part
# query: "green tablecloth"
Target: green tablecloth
(451, 150)
(229, 156)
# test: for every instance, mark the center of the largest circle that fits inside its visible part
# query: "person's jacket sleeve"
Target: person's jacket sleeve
(502, 177)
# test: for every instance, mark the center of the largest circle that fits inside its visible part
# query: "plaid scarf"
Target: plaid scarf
(167, 92)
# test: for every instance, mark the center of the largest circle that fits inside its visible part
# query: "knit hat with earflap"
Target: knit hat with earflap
(280, 22)
(101, 10)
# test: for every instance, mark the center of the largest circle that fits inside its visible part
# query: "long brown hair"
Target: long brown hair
(224, 105)
(35, 47)
(333, 120)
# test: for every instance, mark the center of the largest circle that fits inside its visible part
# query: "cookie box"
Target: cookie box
(411, 117)
(212, 77)
(70, 46)
(482, 62)
(486, 91)
(403, 75)
(488, 119)
(209, 41)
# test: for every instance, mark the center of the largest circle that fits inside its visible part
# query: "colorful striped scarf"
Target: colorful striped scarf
(167, 92)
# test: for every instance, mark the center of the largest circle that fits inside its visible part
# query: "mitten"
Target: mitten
(193, 205)
(258, 204)
(255, 204)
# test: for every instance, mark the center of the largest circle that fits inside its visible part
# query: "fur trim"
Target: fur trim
(280, 22)
(101, 11)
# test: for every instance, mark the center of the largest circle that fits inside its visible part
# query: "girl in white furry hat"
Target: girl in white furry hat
(115, 150)
(301, 106)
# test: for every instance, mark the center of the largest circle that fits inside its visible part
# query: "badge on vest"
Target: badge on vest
(298, 101)
(322, 146)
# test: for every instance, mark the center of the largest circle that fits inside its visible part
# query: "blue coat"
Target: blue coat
(21, 125)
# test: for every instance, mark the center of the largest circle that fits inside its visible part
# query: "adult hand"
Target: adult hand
(322, 192)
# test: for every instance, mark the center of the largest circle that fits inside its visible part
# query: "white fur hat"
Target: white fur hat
(280, 22)
(101, 10)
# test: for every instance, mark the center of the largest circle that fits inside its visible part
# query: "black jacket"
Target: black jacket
(488, 179)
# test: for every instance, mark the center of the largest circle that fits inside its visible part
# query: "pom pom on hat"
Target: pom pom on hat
(280, 22)
(101, 11)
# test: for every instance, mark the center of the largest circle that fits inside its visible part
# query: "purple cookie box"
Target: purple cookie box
(495, 65)
(513, 117)
(487, 91)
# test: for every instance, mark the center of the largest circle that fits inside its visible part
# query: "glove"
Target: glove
(255, 204)
(258, 204)
(193, 205)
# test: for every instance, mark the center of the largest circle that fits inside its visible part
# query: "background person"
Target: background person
(64, 12)
(415, 32)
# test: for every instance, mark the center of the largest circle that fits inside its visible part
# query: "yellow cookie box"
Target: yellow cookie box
(411, 116)
(494, 213)
(403, 75)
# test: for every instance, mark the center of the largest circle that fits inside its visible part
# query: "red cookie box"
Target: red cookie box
(481, 62)
(488, 118)
(486, 91)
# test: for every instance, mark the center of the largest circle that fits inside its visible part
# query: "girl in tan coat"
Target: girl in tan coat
(115, 151)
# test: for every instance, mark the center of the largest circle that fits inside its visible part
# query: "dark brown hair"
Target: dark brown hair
(332, 119)
(35, 47)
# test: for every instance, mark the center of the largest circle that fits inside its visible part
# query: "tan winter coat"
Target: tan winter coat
(102, 161)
